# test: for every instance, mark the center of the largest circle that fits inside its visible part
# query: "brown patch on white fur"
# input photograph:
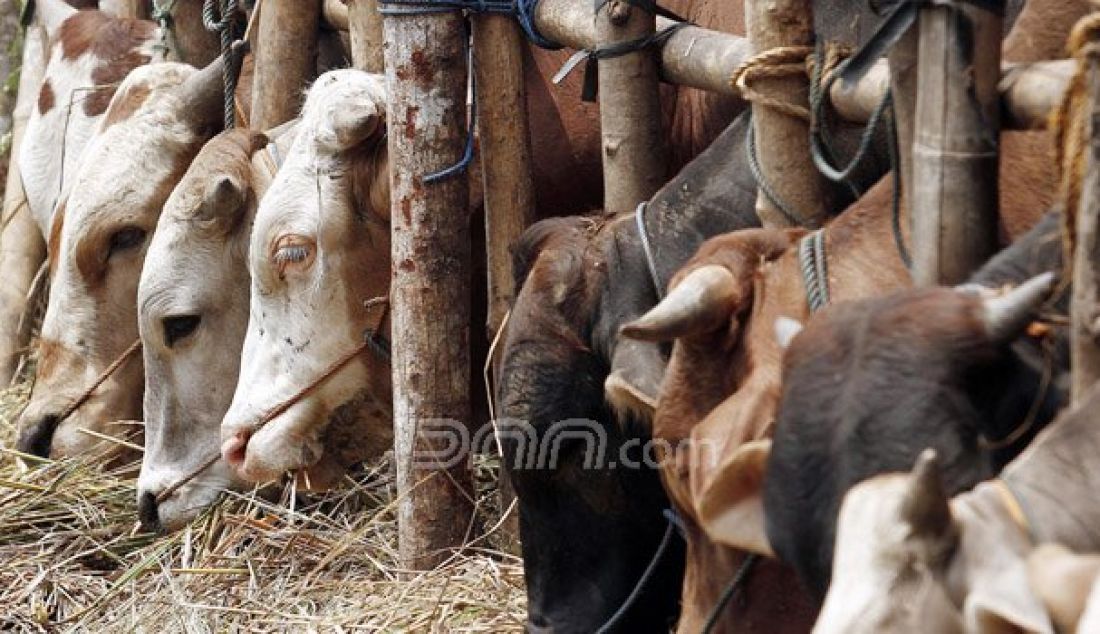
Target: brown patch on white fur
(127, 104)
(45, 97)
(115, 42)
(232, 155)
(53, 246)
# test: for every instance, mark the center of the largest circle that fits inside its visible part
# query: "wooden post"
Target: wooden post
(955, 138)
(426, 81)
(1085, 307)
(22, 248)
(634, 149)
(285, 53)
(365, 29)
(782, 140)
(506, 174)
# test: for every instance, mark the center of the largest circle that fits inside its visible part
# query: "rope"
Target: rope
(731, 589)
(591, 57)
(762, 182)
(775, 63)
(651, 263)
(811, 261)
(79, 401)
(221, 21)
(372, 340)
(162, 15)
(650, 570)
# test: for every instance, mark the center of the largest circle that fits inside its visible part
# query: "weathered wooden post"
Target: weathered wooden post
(955, 140)
(505, 170)
(634, 149)
(786, 164)
(426, 80)
(285, 54)
(1085, 307)
(22, 249)
(187, 38)
(365, 29)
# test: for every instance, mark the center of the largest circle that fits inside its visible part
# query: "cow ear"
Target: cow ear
(1001, 602)
(634, 382)
(732, 510)
(223, 200)
(1062, 581)
(785, 330)
(354, 125)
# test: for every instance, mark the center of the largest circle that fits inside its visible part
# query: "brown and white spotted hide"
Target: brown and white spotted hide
(156, 123)
(320, 250)
(90, 53)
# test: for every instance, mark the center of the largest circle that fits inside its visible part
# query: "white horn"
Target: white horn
(1006, 316)
(702, 302)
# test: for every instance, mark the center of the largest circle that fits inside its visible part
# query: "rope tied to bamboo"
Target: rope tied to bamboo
(162, 15)
(373, 340)
(775, 63)
(221, 19)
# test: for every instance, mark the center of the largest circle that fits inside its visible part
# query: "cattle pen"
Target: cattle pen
(479, 120)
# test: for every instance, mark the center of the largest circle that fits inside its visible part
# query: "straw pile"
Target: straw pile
(71, 558)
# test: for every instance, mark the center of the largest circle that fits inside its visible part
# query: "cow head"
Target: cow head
(192, 313)
(156, 123)
(909, 559)
(320, 265)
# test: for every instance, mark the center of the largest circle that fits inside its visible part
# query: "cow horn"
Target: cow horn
(700, 303)
(926, 507)
(202, 95)
(1006, 316)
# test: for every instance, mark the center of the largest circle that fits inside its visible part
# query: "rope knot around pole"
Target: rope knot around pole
(775, 63)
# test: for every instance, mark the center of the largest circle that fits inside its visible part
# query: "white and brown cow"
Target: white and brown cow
(90, 53)
(320, 252)
(158, 120)
(192, 311)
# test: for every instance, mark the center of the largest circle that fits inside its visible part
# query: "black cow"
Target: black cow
(867, 385)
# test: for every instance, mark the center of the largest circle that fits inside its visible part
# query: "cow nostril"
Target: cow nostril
(36, 439)
(148, 514)
(234, 449)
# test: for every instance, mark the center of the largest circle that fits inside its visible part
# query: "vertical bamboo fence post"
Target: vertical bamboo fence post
(426, 81)
(634, 150)
(188, 39)
(782, 140)
(285, 54)
(903, 90)
(506, 173)
(22, 247)
(955, 139)
(1085, 309)
(365, 29)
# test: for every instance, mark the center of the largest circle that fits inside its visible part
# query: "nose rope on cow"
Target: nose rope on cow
(650, 570)
(1032, 415)
(372, 340)
(79, 401)
(811, 261)
(731, 589)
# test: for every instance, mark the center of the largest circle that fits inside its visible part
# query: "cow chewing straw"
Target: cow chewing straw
(73, 559)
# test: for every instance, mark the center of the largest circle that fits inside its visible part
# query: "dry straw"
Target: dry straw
(71, 558)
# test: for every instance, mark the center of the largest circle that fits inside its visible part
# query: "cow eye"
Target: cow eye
(178, 327)
(293, 251)
(126, 238)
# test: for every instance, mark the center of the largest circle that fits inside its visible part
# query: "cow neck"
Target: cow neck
(1060, 466)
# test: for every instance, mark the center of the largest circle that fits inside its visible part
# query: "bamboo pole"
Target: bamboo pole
(955, 138)
(335, 14)
(506, 174)
(22, 248)
(787, 164)
(700, 58)
(365, 26)
(902, 65)
(285, 54)
(633, 147)
(426, 80)
(1085, 307)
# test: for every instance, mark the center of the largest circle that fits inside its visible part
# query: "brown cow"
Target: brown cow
(721, 387)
